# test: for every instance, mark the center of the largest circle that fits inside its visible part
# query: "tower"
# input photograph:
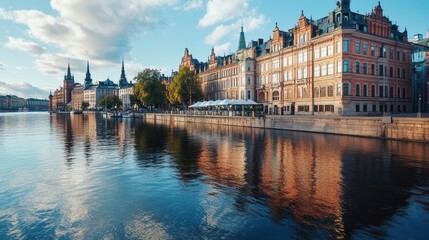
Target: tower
(242, 41)
(123, 79)
(88, 80)
(68, 87)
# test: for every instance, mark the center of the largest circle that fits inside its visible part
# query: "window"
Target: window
(249, 67)
(330, 91)
(391, 53)
(399, 93)
(383, 51)
(365, 68)
(289, 75)
(316, 71)
(323, 52)
(330, 50)
(357, 67)
(323, 91)
(248, 94)
(316, 53)
(357, 47)
(299, 92)
(276, 96)
(357, 108)
(357, 89)
(330, 69)
(316, 92)
(339, 46)
(346, 66)
(323, 73)
(338, 89)
(391, 72)
(275, 78)
(399, 73)
(380, 70)
(276, 65)
(364, 48)
(373, 91)
(304, 72)
(373, 69)
(403, 94)
(380, 91)
(248, 80)
(345, 89)
(404, 75)
(365, 108)
(298, 73)
(339, 66)
(403, 56)
(346, 46)
(365, 90)
(372, 49)
(391, 92)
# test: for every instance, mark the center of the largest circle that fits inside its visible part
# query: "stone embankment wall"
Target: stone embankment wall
(397, 128)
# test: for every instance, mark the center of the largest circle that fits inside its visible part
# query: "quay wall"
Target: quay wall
(396, 128)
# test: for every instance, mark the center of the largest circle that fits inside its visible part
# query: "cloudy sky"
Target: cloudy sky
(39, 38)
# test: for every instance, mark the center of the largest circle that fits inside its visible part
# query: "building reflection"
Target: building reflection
(338, 183)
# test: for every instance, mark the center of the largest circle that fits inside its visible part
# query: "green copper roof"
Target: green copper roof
(242, 42)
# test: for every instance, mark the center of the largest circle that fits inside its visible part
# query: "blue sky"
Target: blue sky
(38, 38)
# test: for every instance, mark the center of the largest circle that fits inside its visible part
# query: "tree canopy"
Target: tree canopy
(184, 89)
(149, 89)
(111, 101)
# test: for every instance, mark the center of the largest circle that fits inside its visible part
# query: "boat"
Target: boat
(128, 115)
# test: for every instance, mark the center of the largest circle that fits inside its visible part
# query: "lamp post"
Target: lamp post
(419, 114)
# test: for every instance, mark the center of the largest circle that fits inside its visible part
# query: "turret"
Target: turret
(242, 41)
(123, 79)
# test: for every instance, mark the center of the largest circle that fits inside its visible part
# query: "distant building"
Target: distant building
(125, 89)
(12, 103)
(345, 63)
(77, 97)
(63, 95)
(34, 104)
(420, 73)
(94, 93)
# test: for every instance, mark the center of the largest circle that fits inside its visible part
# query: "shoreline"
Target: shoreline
(383, 127)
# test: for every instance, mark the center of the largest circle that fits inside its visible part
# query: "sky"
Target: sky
(39, 38)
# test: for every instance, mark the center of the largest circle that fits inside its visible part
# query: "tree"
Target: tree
(149, 89)
(184, 89)
(134, 100)
(111, 101)
(84, 105)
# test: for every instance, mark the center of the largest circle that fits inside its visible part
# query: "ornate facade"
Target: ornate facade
(345, 63)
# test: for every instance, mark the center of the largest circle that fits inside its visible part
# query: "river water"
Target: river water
(86, 177)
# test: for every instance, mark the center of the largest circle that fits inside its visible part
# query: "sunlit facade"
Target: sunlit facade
(345, 63)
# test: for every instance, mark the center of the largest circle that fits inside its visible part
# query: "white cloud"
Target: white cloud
(192, 4)
(2, 66)
(250, 23)
(223, 49)
(97, 30)
(24, 90)
(223, 10)
(23, 45)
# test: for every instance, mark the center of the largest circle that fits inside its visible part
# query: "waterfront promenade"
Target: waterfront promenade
(403, 128)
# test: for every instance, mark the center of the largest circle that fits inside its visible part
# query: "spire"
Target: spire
(88, 80)
(68, 76)
(242, 41)
(123, 79)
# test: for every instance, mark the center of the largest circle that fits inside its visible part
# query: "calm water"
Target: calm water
(85, 177)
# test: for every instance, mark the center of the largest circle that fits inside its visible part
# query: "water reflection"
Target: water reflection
(87, 177)
(340, 184)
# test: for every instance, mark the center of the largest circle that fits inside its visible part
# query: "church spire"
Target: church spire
(88, 80)
(68, 76)
(123, 79)
(242, 41)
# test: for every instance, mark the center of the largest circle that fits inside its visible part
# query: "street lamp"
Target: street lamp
(419, 114)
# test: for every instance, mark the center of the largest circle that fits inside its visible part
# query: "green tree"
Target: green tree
(184, 89)
(149, 89)
(84, 105)
(111, 101)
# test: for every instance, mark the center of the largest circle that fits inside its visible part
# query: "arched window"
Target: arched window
(365, 68)
(316, 92)
(346, 66)
(365, 90)
(357, 89)
(330, 91)
(373, 91)
(323, 91)
(261, 97)
(276, 96)
(399, 92)
(391, 92)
